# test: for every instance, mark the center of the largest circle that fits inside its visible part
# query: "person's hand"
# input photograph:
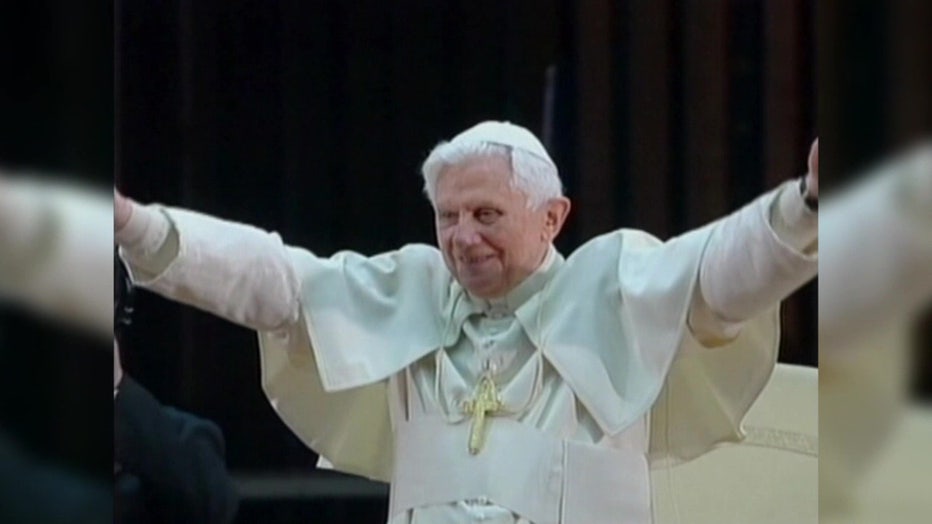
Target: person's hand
(812, 177)
(122, 210)
(117, 366)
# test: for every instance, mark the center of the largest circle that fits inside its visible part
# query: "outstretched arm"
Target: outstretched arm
(878, 249)
(55, 250)
(756, 257)
(233, 270)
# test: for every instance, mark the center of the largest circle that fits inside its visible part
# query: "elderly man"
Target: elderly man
(492, 378)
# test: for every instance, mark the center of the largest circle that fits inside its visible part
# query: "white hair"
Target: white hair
(530, 174)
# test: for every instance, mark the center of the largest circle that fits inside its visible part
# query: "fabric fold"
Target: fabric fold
(366, 319)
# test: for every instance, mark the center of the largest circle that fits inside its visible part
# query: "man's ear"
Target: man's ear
(557, 211)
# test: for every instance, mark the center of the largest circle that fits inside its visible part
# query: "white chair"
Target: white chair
(770, 477)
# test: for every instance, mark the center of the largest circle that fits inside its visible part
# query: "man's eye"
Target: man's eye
(487, 216)
(447, 216)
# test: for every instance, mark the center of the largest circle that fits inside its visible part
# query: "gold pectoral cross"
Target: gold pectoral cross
(485, 402)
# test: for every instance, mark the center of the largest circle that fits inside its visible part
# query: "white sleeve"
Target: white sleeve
(56, 252)
(878, 250)
(756, 257)
(233, 270)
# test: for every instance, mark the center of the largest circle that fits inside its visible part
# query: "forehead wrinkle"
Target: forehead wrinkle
(475, 189)
(470, 201)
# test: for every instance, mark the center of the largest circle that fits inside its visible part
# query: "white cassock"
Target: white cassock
(369, 360)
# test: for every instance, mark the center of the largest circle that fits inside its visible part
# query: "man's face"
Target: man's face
(491, 240)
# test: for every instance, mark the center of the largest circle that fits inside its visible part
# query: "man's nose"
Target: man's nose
(466, 233)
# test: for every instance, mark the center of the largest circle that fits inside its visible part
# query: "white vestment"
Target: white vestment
(368, 360)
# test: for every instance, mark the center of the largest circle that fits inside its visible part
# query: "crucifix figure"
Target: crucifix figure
(485, 402)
